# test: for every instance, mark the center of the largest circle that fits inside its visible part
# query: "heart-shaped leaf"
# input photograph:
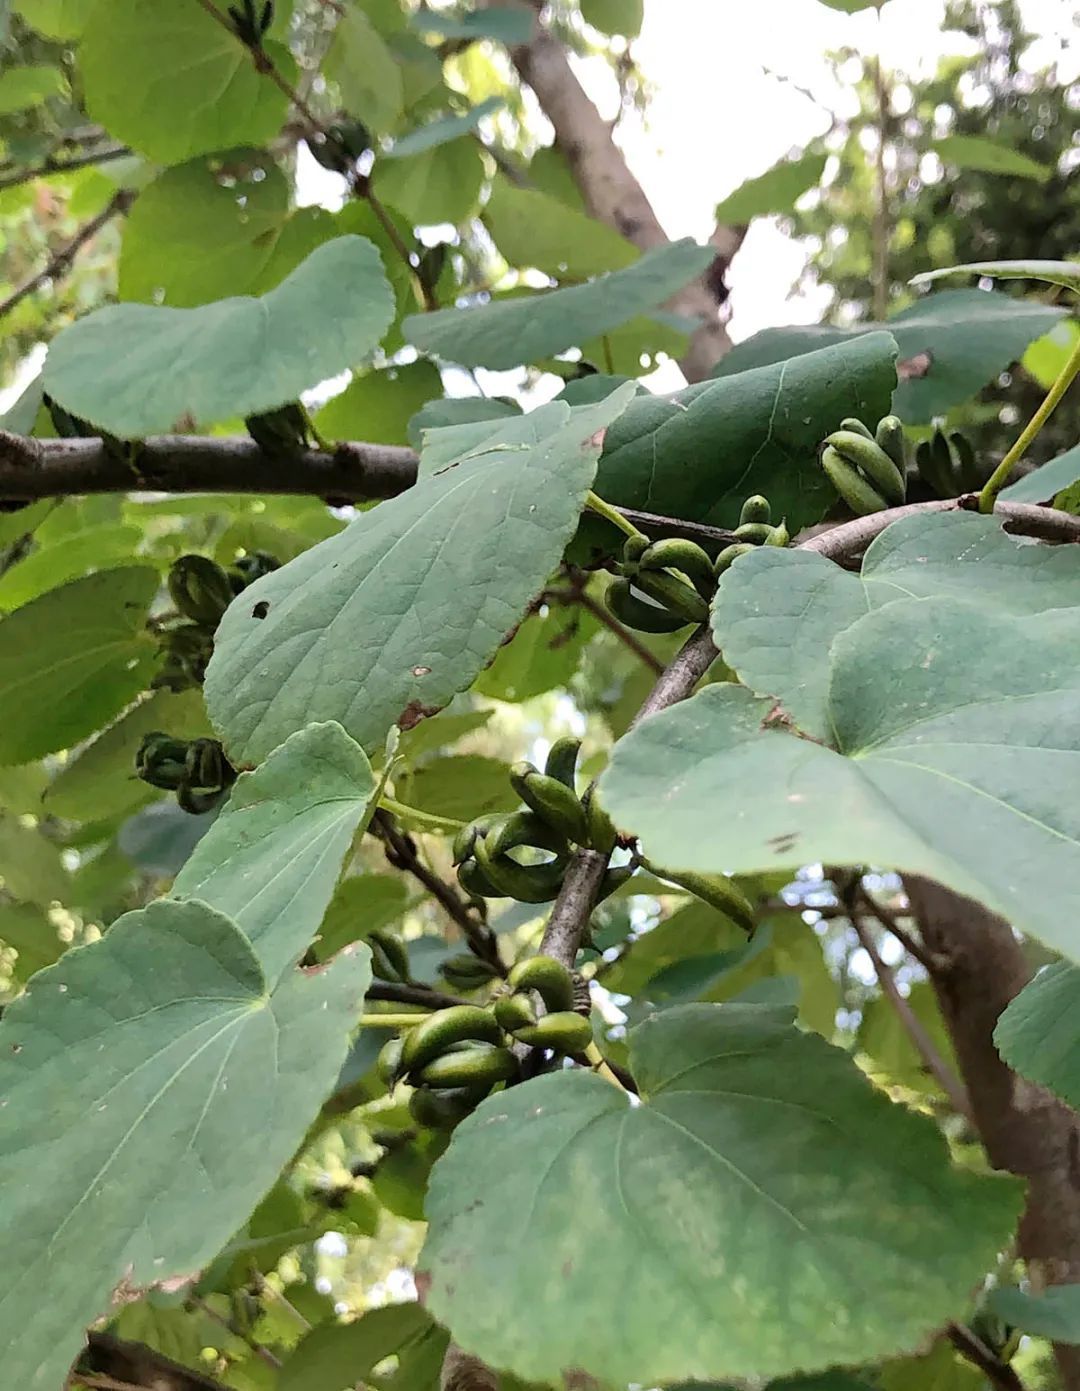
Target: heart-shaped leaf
(764, 1210)
(384, 622)
(959, 737)
(524, 329)
(777, 612)
(189, 1084)
(134, 369)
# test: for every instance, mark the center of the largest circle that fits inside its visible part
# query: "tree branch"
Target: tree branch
(51, 166)
(577, 594)
(61, 261)
(391, 992)
(975, 1351)
(125, 1364)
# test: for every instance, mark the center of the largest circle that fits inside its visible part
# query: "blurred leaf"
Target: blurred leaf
(775, 191)
(22, 87)
(30, 865)
(96, 548)
(1043, 483)
(441, 131)
(27, 929)
(461, 786)
(614, 16)
(883, 1037)
(361, 904)
(543, 654)
(1053, 1314)
(336, 1355)
(365, 70)
(437, 185)
(58, 19)
(379, 405)
(501, 23)
(988, 156)
(534, 229)
(1065, 273)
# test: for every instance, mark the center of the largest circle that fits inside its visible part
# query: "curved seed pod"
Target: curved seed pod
(565, 1032)
(562, 761)
(755, 509)
(478, 1065)
(889, 436)
(474, 881)
(613, 879)
(523, 828)
(537, 883)
(933, 467)
(856, 427)
(467, 972)
(631, 610)
(757, 533)
(388, 1063)
(552, 801)
(548, 977)
(871, 460)
(161, 760)
(251, 567)
(851, 485)
(514, 1012)
(602, 833)
(200, 589)
(730, 554)
(466, 837)
(634, 547)
(439, 1031)
(780, 535)
(582, 995)
(686, 557)
(195, 802)
(675, 594)
(442, 1110)
(716, 890)
(389, 957)
(207, 765)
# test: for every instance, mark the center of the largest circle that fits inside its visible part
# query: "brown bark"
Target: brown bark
(979, 968)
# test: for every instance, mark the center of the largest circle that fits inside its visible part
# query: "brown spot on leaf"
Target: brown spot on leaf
(911, 368)
(413, 713)
(261, 609)
(782, 844)
(422, 1281)
(421, 671)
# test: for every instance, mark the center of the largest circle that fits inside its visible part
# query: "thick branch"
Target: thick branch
(979, 967)
(132, 1364)
(613, 195)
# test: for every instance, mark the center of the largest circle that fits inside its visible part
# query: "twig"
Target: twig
(263, 1353)
(880, 273)
(890, 920)
(263, 1285)
(49, 167)
(912, 1025)
(60, 262)
(577, 594)
(680, 677)
(847, 542)
(979, 1355)
(402, 853)
(390, 992)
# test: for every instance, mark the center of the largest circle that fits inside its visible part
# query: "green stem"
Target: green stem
(999, 477)
(393, 1021)
(610, 514)
(437, 823)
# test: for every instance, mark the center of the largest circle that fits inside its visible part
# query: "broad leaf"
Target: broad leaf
(163, 1047)
(700, 453)
(614, 16)
(884, 1038)
(1065, 273)
(777, 612)
(502, 23)
(520, 330)
(57, 19)
(94, 548)
(460, 786)
(378, 406)
(384, 622)
(1043, 483)
(989, 156)
(1053, 1314)
(775, 191)
(360, 905)
(365, 70)
(23, 87)
(193, 89)
(764, 1210)
(30, 865)
(534, 229)
(436, 185)
(26, 928)
(72, 659)
(443, 415)
(272, 857)
(335, 1354)
(950, 345)
(134, 369)
(957, 729)
(1039, 1033)
(543, 654)
(441, 131)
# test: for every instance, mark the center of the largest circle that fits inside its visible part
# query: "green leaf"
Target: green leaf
(764, 1210)
(335, 1354)
(23, 87)
(461, 554)
(95, 548)
(1065, 273)
(700, 453)
(887, 1042)
(360, 905)
(777, 612)
(194, 88)
(941, 1369)
(437, 185)
(542, 655)
(273, 856)
(160, 838)
(775, 191)
(72, 659)
(534, 229)
(461, 786)
(443, 130)
(134, 369)
(459, 410)
(520, 330)
(959, 752)
(56, 19)
(1045, 482)
(378, 406)
(438, 732)
(1053, 1314)
(160, 1040)
(989, 157)
(500, 23)
(1038, 1034)
(614, 16)
(26, 928)
(951, 345)
(849, 6)
(30, 865)
(365, 70)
